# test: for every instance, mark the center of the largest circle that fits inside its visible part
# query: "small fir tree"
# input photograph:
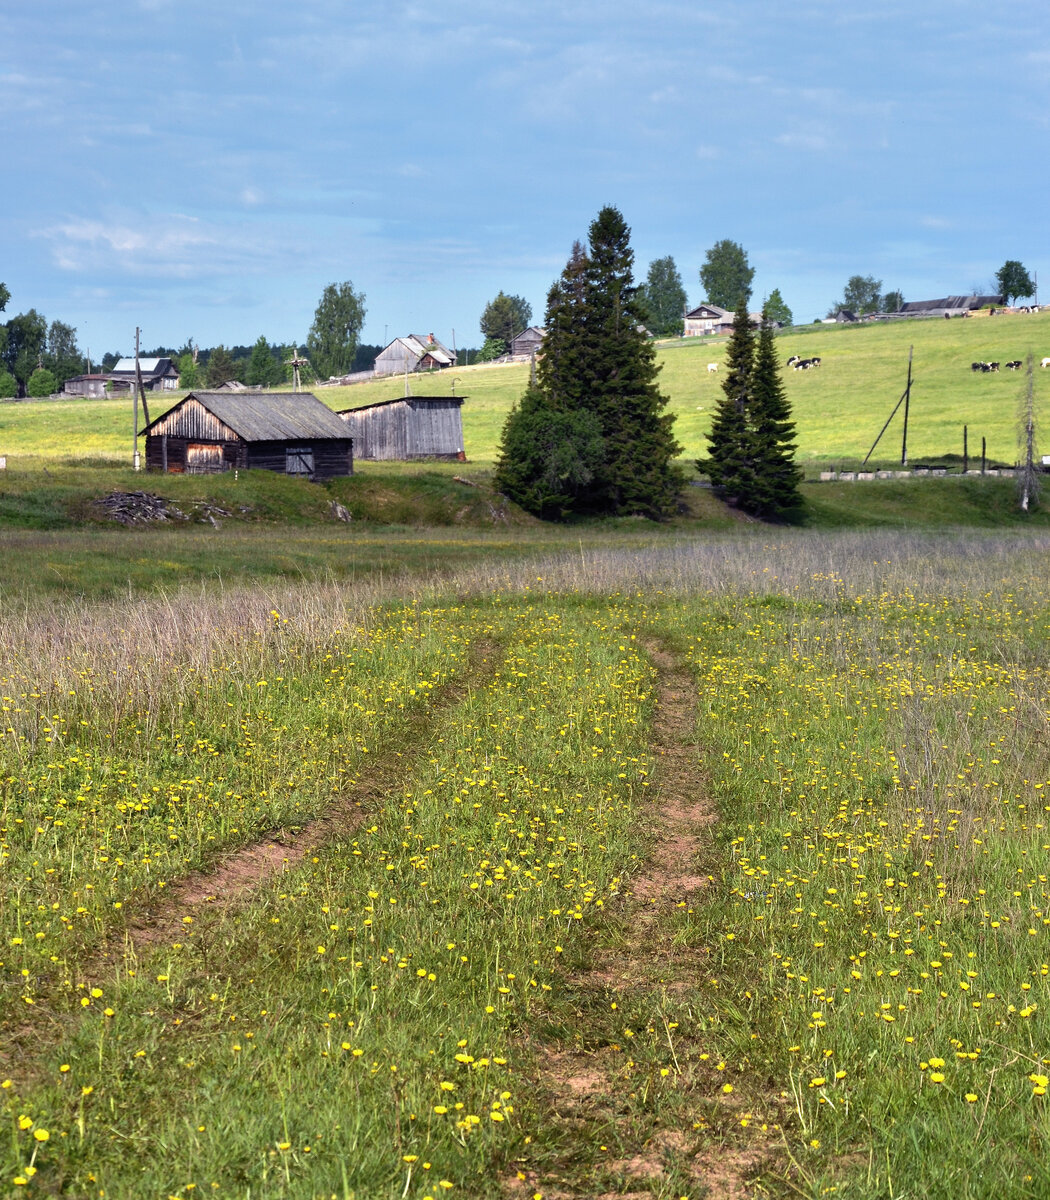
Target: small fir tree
(731, 462)
(775, 478)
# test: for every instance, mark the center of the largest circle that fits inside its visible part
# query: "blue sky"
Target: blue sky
(203, 168)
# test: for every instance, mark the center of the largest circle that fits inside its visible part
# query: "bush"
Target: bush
(548, 457)
(8, 385)
(41, 383)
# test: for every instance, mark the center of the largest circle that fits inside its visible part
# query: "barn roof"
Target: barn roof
(266, 416)
(955, 303)
(458, 400)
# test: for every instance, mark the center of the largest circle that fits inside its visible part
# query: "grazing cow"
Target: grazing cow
(1014, 366)
(712, 367)
(814, 362)
(1045, 362)
(795, 358)
(802, 364)
(977, 366)
(993, 367)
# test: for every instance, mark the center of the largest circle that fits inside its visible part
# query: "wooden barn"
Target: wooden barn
(410, 427)
(290, 432)
(528, 341)
(413, 353)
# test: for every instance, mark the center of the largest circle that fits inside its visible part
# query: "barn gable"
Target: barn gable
(410, 427)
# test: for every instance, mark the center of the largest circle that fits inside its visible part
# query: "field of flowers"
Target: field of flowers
(855, 1004)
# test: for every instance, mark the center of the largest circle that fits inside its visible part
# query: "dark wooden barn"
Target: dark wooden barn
(290, 432)
(410, 427)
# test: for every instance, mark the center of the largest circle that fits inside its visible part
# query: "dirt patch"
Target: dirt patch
(245, 870)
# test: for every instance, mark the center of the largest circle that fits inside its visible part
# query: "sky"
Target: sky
(204, 168)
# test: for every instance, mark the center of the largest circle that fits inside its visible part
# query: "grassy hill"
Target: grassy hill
(839, 408)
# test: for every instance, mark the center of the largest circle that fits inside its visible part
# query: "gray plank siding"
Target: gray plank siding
(415, 427)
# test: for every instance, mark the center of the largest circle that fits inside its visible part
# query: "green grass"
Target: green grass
(839, 408)
(862, 995)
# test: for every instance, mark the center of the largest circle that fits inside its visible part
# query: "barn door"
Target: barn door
(203, 459)
(299, 460)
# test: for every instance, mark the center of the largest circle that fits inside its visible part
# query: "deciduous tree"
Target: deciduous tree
(663, 298)
(332, 340)
(26, 343)
(263, 369)
(776, 310)
(505, 317)
(1013, 281)
(893, 302)
(727, 275)
(221, 368)
(41, 383)
(862, 294)
(63, 357)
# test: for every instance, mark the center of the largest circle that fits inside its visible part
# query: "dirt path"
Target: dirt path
(647, 970)
(233, 879)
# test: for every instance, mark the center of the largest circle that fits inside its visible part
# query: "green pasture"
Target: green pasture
(839, 408)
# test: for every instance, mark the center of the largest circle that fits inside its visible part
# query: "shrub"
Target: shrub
(41, 383)
(8, 385)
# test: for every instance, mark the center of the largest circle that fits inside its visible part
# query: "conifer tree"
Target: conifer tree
(752, 452)
(619, 378)
(774, 488)
(731, 463)
(599, 371)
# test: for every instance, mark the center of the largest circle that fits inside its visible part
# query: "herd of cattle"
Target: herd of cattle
(803, 364)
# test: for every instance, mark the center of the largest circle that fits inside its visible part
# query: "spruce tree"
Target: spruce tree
(619, 378)
(597, 390)
(774, 486)
(731, 464)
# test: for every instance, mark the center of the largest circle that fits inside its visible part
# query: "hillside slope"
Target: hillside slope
(839, 408)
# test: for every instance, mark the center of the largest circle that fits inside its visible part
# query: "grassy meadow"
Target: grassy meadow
(460, 975)
(444, 853)
(839, 408)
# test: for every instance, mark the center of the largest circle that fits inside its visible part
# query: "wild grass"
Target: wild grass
(868, 996)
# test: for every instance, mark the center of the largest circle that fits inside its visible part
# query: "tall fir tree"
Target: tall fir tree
(774, 490)
(731, 462)
(599, 369)
(560, 371)
(619, 376)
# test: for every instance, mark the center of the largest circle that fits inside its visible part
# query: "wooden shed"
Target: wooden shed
(410, 427)
(290, 432)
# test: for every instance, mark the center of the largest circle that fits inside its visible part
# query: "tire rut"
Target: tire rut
(586, 1088)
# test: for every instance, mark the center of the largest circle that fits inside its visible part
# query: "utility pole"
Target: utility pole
(907, 404)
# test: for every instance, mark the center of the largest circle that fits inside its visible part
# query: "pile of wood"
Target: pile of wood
(142, 508)
(139, 508)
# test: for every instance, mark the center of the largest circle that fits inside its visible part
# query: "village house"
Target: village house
(157, 374)
(289, 432)
(410, 427)
(527, 342)
(413, 353)
(706, 319)
(86, 385)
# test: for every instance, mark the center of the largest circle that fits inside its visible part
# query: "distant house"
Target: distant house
(844, 316)
(950, 306)
(706, 319)
(408, 428)
(157, 373)
(233, 385)
(85, 385)
(528, 341)
(413, 353)
(290, 432)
